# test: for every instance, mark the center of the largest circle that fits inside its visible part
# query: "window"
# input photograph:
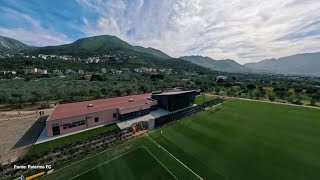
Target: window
(96, 119)
(114, 115)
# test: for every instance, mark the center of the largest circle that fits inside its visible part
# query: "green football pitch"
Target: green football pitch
(243, 140)
(136, 164)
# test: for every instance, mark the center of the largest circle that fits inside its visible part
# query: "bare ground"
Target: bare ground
(14, 125)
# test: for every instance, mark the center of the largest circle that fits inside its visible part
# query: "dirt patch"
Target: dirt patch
(13, 155)
(14, 125)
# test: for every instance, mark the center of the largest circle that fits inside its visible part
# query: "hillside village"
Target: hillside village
(112, 59)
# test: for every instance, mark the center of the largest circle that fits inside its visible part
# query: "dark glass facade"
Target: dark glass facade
(135, 114)
(175, 102)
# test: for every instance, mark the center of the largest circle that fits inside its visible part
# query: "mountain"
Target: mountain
(300, 64)
(152, 51)
(99, 45)
(218, 65)
(105, 44)
(12, 45)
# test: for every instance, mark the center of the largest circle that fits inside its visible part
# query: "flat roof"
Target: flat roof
(81, 108)
(173, 92)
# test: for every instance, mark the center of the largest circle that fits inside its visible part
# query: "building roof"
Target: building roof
(166, 93)
(81, 108)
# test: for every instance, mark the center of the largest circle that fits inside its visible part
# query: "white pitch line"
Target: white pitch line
(159, 162)
(91, 156)
(175, 158)
(106, 162)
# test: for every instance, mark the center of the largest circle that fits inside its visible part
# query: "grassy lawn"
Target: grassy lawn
(136, 164)
(125, 162)
(69, 139)
(248, 140)
(245, 140)
(200, 99)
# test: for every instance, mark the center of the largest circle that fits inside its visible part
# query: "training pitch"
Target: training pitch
(243, 140)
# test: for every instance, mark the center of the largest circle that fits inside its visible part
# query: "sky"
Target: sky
(242, 30)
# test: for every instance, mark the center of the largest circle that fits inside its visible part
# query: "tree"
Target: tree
(316, 96)
(104, 91)
(313, 102)
(36, 96)
(117, 92)
(144, 88)
(128, 91)
(217, 90)
(311, 91)
(219, 81)
(17, 97)
(280, 92)
(251, 87)
(258, 94)
(298, 90)
(272, 97)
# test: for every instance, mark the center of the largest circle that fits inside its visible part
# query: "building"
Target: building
(8, 72)
(30, 70)
(43, 71)
(70, 71)
(175, 100)
(57, 72)
(221, 78)
(81, 72)
(72, 117)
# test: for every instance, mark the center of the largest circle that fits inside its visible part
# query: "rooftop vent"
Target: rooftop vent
(131, 100)
(90, 105)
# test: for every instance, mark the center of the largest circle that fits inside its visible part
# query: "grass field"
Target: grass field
(248, 140)
(124, 162)
(38, 148)
(134, 165)
(200, 99)
(244, 140)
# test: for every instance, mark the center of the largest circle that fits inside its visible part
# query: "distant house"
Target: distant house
(221, 78)
(8, 72)
(70, 71)
(57, 72)
(118, 72)
(104, 70)
(43, 71)
(30, 70)
(137, 70)
(125, 70)
(81, 72)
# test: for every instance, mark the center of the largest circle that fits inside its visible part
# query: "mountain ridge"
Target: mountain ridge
(99, 44)
(11, 45)
(226, 65)
(299, 64)
(112, 45)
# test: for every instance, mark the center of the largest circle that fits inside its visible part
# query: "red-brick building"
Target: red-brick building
(71, 117)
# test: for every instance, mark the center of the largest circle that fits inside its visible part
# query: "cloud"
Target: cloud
(32, 32)
(244, 30)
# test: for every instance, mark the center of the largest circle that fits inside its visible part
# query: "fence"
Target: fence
(183, 113)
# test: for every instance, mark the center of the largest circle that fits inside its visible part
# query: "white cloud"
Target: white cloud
(244, 30)
(33, 34)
